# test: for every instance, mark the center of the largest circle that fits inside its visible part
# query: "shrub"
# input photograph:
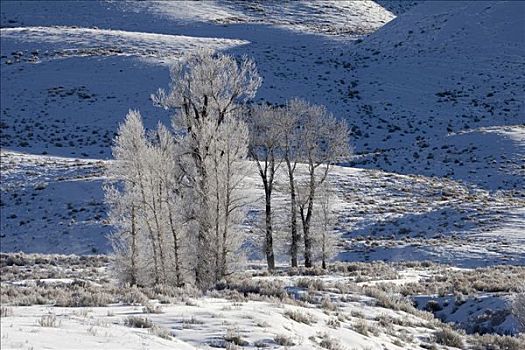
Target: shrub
(298, 316)
(311, 284)
(49, 321)
(83, 298)
(394, 302)
(151, 309)
(330, 343)
(247, 286)
(138, 322)
(327, 304)
(133, 296)
(449, 337)
(233, 336)
(361, 326)
(192, 320)
(161, 332)
(497, 342)
(385, 320)
(333, 322)
(518, 308)
(283, 340)
(357, 314)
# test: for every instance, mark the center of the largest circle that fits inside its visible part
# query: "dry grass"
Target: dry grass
(299, 316)
(160, 331)
(330, 343)
(284, 340)
(138, 322)
(497, 342)
(361, 326)
(6, 311)
(449, 337)
(49, 321)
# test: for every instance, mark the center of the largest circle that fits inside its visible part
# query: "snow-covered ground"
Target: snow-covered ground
(352, 307)
(208, 321)
(381, 216)
(434, 98)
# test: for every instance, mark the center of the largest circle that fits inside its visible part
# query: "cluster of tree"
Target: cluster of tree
(298, 133)
(175, 196)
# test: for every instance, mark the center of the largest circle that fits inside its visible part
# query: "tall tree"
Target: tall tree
(288, 124)
(324, 238)
(323, 142)
(265, 143)
(127, 200)
(206, 88)
(227, 165)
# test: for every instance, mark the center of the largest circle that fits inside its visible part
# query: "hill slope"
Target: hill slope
(443, 89)
(428, 94)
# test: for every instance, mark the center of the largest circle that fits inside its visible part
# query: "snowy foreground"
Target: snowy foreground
(77, 305)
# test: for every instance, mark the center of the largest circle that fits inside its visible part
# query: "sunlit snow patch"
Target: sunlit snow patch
(71, 41)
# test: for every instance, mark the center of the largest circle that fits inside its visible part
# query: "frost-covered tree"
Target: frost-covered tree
(126, 201)
(264, 149)
(288, 124)
(170, 194)
(296, 133)
(323, 141)
(144, 195)
(324, 239)
(206, 90)
(228, 151)
(518, 308)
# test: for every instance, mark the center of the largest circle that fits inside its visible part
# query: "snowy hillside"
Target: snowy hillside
(391, 217)
(404, 102)
(328, 17)
(443, 89)
(397, 7)
(124, 62)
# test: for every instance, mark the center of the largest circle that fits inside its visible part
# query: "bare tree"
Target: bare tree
(289, 126)
(205, 89)
(324, 238)
(265, 142)
(323, 141)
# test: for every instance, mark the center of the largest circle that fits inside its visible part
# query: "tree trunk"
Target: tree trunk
(270, 259)
(218, 249)
(306, 221)
(324, 253)
(202, 270)
(133, 247)
(293, 215)
(178, 275)
(227, 202)
(155, 211)
(150, 231)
